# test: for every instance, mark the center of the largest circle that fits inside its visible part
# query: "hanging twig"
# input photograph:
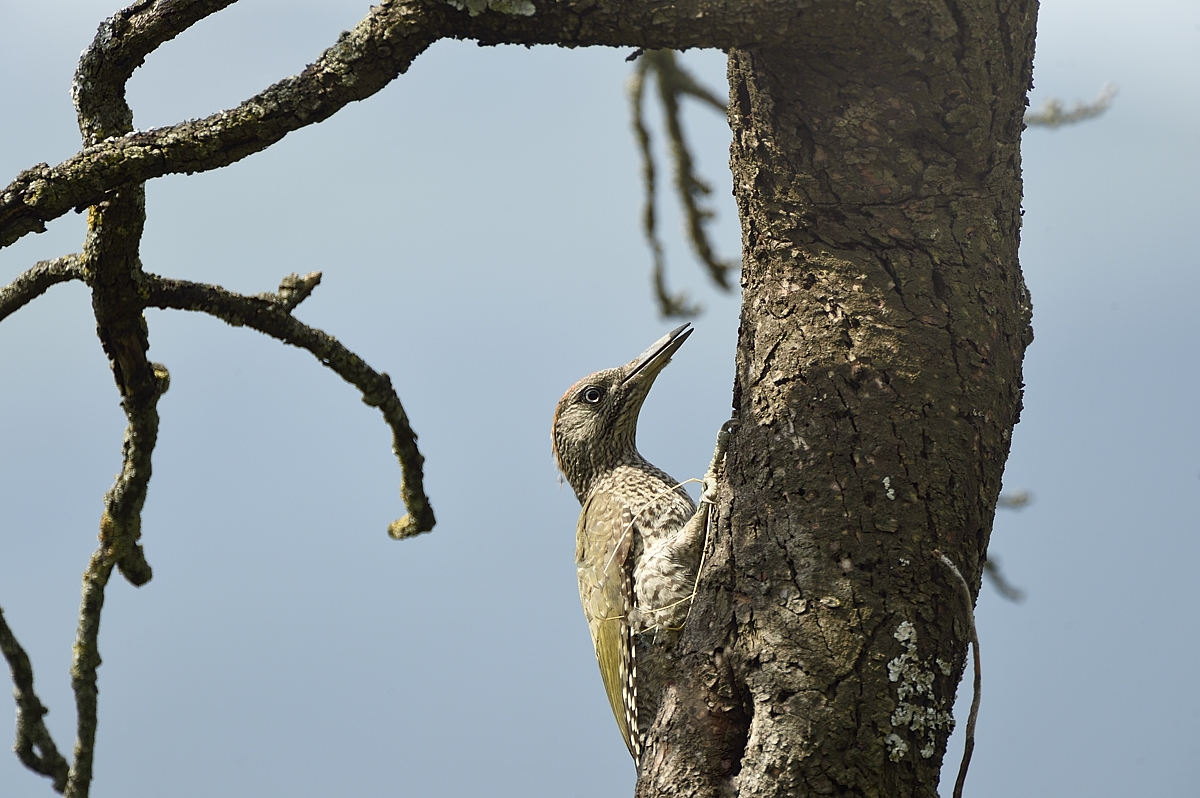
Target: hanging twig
(964, 591)
(991, 569)
(674, 82)
(1016, 500)
(671, 305)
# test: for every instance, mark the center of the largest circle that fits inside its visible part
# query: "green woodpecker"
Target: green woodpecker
(639, 539)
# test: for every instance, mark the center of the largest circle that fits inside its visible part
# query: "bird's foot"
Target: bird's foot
(708, 493)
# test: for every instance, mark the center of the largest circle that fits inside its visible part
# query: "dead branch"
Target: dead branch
(270, 314)
(359, 64)
(671, 305)
(991, 569)
(37, 280)
(1052, 112)
(34, 746)
(674, 82)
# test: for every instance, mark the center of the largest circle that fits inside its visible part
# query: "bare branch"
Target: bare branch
(1016, 500)
(682, 82)
(1053, 114)
(111, 259)
(362, 62)
(270, 315)
(358, 65)
(669, 304)
(121, 45)
(672, 82)
(964, 592)
(120, 531)
(34, 746)
(121, 523)
(991, 569)
(84, 663)
(37, 280)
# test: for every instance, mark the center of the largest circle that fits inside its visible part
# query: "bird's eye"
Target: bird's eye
(592, 394)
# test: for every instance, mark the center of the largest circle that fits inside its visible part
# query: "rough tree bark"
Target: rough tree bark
(877, 170)
(878, 378)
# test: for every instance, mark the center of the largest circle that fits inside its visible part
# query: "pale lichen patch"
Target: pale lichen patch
(518, 8)
(917, 707)
(897, 748)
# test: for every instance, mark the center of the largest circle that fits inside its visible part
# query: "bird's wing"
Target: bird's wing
(602, 544)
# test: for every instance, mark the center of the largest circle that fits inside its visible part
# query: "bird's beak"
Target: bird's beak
(648, 364)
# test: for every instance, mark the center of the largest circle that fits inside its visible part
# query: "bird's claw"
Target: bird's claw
(708, 493)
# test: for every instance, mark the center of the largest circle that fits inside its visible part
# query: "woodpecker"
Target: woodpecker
(639, 538)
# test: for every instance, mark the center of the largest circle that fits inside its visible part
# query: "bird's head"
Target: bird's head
(595, 423)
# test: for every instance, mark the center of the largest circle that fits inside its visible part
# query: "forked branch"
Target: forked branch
(34, 746)
(271, 314)
(674, 82)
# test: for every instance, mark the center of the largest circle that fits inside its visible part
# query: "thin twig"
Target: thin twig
(1016, 500)
(121, 524)
(1052, 113)
(84, 662)
(37, 280)
(34, 746)
(120, 528)
(964, 591)
(670, 305)
(120, 531)
(120, 546)
(991, 569)
(271, 316)
(674, 81)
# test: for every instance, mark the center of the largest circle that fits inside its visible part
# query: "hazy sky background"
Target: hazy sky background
(477, 226)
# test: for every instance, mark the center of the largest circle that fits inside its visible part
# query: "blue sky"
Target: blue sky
(477, 226)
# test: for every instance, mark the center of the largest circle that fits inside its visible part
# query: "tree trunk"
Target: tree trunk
(876, 166)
